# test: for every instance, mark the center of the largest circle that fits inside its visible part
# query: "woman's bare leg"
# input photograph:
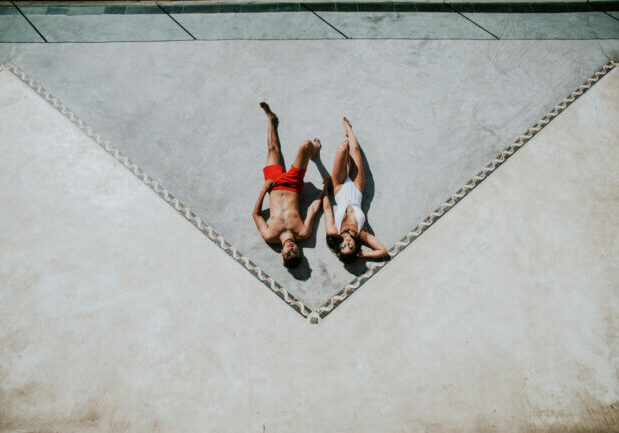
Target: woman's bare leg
(272, 138)
(307, 151)
(355, 170)
(340, 162)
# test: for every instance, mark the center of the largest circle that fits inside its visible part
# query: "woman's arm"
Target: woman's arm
(330, 226)
(378, 249)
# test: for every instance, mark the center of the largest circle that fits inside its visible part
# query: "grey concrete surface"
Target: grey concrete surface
(105, 28)
(266, 25)
(115, 316)
(421, 25)
(592, 25)
(428, 114)
(14, 28)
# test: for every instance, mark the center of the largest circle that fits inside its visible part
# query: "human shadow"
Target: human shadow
(308, 195)
(368, 191)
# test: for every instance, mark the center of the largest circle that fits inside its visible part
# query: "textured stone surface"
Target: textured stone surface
(301, 25)
(116, 316)
(428, 114)
(14, 28)
(422, 25)
(594, 25)
(102, 28)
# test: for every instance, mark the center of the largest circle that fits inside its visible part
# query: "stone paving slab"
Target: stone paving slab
(492, 321)
(429, 115)
(293, 25)
(15, 28)
(106, 28)
(420, 25)
(147, 21)
(591, 25)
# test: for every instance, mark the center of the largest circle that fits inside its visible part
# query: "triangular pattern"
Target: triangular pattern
(277, 288)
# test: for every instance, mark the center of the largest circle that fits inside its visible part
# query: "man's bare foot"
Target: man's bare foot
(347, 125)
(269, 113)
(317, 146)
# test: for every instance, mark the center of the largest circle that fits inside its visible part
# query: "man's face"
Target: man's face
(290, 249)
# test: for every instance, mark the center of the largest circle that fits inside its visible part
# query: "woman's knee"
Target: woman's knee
(342, 147)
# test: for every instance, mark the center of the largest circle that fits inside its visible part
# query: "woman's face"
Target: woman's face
(348, 244)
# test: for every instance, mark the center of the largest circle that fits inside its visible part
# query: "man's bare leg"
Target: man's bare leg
(356, 160)
(272, 138)
(307, 151)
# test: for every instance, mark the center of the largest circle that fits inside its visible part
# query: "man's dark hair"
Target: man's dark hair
(293, 262)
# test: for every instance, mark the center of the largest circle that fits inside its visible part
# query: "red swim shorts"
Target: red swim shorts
(292, 180)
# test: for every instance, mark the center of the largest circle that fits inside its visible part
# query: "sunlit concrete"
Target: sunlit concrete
(429, 115)
(117, 315)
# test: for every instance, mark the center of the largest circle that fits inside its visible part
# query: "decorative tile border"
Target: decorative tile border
(209, 231)
(410, 237)
(312, 316)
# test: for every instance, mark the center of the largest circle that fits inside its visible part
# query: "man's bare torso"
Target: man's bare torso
(284, 208)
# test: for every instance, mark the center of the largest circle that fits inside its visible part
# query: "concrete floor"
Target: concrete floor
(116, 316)
(429, 115)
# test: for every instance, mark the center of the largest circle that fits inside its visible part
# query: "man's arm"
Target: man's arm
(378, 249)
(261, 224)
(312, 211)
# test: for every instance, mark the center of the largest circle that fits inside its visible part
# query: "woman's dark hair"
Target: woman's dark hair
(334, 242)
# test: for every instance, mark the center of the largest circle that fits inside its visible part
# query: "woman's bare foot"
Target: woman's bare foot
(317, 146)
(269, 113)
(347, 125)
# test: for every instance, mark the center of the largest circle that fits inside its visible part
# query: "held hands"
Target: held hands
(327, 187)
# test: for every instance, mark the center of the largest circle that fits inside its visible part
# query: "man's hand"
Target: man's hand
(268, 185)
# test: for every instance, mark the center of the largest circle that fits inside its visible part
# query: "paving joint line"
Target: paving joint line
(209, 231)
(606, 12)
(467, 18)
(29, 22)
(411, 236)
(173, 19)
(325, 21)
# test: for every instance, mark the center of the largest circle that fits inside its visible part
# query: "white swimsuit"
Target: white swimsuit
(348, 195)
